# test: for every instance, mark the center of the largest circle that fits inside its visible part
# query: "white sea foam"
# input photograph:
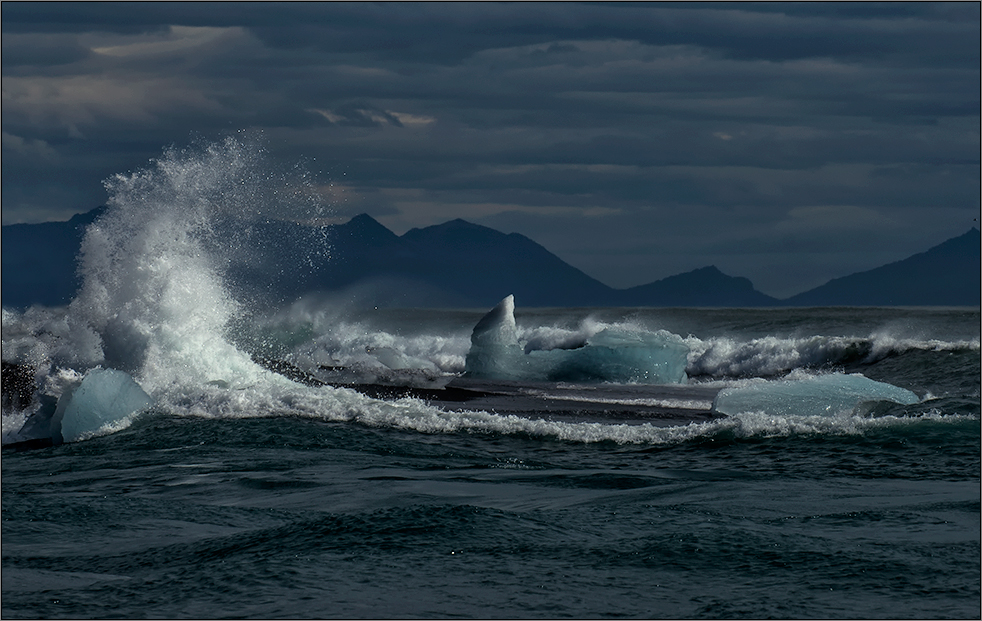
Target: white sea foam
(771, 356)
(341, 405)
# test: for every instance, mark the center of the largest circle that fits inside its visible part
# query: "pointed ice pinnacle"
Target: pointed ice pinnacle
(495, 352)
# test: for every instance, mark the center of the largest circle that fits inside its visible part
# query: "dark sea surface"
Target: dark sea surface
(273, 508)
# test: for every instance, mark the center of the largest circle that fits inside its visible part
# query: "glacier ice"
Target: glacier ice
(104, 396)
(611, 355)
(618, 355)
(824, 394)
(495, 352)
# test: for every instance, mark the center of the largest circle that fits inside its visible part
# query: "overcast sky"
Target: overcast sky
(788, 143)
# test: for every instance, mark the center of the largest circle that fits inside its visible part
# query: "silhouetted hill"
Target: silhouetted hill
(706, 286)
(484, 265)
(946, 275)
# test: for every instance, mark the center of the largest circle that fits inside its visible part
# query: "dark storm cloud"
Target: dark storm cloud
(634, 140)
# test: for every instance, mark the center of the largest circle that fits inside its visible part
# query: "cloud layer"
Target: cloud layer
(789, 143)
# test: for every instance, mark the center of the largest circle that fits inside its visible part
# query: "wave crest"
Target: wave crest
(772, 356)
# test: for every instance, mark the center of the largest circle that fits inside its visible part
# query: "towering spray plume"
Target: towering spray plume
(155, 298)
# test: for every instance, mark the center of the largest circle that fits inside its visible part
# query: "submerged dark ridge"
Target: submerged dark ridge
(530, 399)
(556, 402)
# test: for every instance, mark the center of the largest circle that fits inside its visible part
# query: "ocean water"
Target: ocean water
(381, 481)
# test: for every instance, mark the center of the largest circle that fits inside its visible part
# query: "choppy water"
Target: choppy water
(241, 493)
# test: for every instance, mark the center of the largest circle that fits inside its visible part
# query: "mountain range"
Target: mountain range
(461, 264)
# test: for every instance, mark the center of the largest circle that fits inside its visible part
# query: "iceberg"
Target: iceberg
(617, 355)
(611, 355)
(104, 397)
(495, 352)
(815, 396)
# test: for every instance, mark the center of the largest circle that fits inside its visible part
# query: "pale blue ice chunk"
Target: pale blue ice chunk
(821, 395)
(617, 355)
(105, 396)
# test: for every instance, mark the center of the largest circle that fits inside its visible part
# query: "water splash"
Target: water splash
(155, 299)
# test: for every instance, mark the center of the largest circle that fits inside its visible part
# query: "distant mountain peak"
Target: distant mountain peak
(363, 225)
(363, 218)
